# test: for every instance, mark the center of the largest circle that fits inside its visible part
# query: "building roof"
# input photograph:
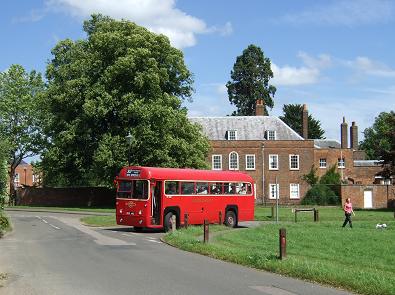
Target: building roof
(247, 127)
(327, 143)
(367, 163)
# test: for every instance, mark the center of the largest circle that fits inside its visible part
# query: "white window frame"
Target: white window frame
(341, 163)
(253, 162)
(232, 135)
(291, 191)
(213, 162)
(17, 178)
(270, 162)
(290, 162)
(237, 161)
(322, 163)
(273, 185)
(271, 135)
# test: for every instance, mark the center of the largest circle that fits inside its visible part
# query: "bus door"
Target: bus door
(156, 201)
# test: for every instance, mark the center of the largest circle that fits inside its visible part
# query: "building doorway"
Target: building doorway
(368, 199)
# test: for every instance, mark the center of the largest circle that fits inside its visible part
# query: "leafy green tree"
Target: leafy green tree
(250, 81)
(120, 79)
(293, 118)
(20, 115)
(311, 178)
(379, 142)
(3, 172)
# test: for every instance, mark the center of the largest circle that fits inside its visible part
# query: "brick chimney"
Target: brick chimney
(354, 136)
(260, 107)
(305, 122)
(343, 134)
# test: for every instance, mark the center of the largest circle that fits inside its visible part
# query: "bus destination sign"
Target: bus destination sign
(133, 173)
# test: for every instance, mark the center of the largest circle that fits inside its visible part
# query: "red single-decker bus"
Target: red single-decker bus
(148, 197)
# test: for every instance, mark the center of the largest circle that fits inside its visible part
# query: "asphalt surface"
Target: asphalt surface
(52, 253)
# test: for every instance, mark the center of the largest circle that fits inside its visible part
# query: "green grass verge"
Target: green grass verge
(108, 220)
(78, 209)
(359, 259)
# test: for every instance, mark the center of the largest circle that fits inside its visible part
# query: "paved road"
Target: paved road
(52, 253)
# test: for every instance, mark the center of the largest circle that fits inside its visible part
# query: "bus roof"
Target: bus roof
(183, 174)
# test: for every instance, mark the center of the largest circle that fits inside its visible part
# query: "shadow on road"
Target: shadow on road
(132, 230)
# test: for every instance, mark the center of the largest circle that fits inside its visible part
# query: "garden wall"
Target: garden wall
(382, 196)
(66, 197)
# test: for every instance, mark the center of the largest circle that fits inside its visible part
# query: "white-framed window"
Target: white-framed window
(216, 162)
(274, 191)
(232, 134)
(322, 162)
(294, 162)
(271, 135)
(294, 191)
(16, 178)
(250, 162)
(341, 163)
(233, 161)
(273, 162)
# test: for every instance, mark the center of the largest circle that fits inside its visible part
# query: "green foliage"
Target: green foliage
(250, 81)
(120, 78)
(3, 172)
(324, 190)
(379, 142)
(293, 118)
(322, 195)
(21, 115)
(311, 178)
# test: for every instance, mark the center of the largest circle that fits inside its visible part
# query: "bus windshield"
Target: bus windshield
(133, 189)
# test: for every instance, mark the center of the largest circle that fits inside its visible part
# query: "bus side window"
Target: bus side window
(242, 189)
(187, 188)
(216, 188)
(202, 188)
(229, 188)
(171, 188)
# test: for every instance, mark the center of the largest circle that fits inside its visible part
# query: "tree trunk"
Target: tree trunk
(12, 195)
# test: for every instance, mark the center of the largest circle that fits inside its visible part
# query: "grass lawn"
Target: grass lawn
(108, 220)
(360, 259)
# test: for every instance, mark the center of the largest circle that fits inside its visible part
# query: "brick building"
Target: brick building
(24, 176)
(277, 157)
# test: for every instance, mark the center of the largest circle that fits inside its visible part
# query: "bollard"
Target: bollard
(220, 217)
(316, 216)
(272, 212)
(186, 220)
(283, 243)
(205, 231)
(173, 223)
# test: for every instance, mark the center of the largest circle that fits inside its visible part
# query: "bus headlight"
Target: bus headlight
(120, 211)
(140, 212)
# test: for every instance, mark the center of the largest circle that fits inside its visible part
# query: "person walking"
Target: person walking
(347, 212)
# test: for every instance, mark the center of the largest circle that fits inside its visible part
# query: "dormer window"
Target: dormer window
(271, 135)
(232, 135)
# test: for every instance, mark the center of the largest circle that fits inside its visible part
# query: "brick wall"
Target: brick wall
(66, 197)
(383, 196)
(365, 175)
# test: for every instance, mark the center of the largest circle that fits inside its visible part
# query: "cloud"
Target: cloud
(364, 65)
(33, 16)
(160, 16)
(345, 12)
(309, 73)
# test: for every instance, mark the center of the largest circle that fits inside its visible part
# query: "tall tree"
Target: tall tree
(379, 142)
(3, 172)
(250, 81)
(20, 114)
(293, 118)
(120, 79)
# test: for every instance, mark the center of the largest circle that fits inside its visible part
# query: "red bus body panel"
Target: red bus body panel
(137, 212)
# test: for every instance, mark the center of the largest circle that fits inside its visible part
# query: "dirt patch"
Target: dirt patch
(3, 278)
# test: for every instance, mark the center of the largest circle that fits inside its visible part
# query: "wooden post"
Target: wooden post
(186, 220)
(206, 231)
(173, 223)
(220, 217)
(272, 212)
(316, 215)
(283, 243)
(296, 211)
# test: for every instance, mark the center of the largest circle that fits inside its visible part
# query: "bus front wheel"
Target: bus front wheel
(168, 221)
(230, 219)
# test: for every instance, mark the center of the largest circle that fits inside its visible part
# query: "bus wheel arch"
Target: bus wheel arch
(168, 213)
(231, 216)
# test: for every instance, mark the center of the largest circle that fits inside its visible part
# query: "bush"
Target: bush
(320, 195)
(4, 224)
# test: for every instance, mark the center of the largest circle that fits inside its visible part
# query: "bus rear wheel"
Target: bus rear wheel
(167, 224)
(230, 219)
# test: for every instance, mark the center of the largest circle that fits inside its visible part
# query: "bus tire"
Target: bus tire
(167, 222)
(138, 229)
(230, 218)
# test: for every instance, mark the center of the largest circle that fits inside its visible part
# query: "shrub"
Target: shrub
(4, 224)
(320, 195)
